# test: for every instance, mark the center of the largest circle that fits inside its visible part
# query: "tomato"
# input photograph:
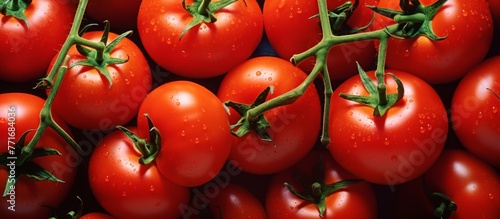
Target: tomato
(19, 112)
(207, 49)
(127, 189)
(121, 16)
(470, 183)
(352, 201)
(474, 111)
(86, 100)
(96, 215)
(291, 30)
(28, 46)
(194, 129)
(393, 148)
(467, 26)
(228, 201)
(294, 128)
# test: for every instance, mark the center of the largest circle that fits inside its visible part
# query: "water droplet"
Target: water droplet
(299, 10)
(269, 78)
(473, 131)
(231, 21)
(124, 194)
(491, 196)
(2, 120)
(386, 141)
(185, 119)
(84, 75)
(169, 41)
(290, 16)
(204, 127)
(152, 21)
(422, 129)
(407, 53)
(429, 127)
(281, 4)
(233, 47)
(494, 109)
(258, 73)
(183, 133)
(453, 27)
(196, 140)
(155, 28)
(106, 179)
(209, 55)
(152, 188)
(353, 136)
(127, 81)
(184, 54)
(394, 158)
(177, 103)
(480, 115)
(464, 13)
(162, 9)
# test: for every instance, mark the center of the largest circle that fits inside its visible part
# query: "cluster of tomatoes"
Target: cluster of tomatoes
(161, 122)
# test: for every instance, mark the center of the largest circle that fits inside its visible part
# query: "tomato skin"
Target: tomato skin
(194, 129)
(206, 50)
(120, 16)
(354, 201)
(474, 111)
(468, 181)
(284, 19)
(27, 51)
(232, 201)
(469, 30)
(30, 195)
(294, 127)
(393, 148)
(85, 99)
(127, 189)
(96, 215)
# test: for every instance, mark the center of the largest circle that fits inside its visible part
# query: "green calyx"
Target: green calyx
(28, 167)
(245, 125)
(319, 190)
(339, 16)
(100, 59)
(378, 98)
(148, 148)
(15, 8)
(414, 19)
(203, 12)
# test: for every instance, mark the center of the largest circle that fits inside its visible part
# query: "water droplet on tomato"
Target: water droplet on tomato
(281, 4)
(124, 194)
(494, 109)
(152, 21)
(480, 115)
(464, 13)
(258, 73)
(84, 75)
(269, 78)
(204, 126)
(106, 179)
(169, 41)
(299, 10)
(491, 196)
(185, 119)
(290, 16)
(177, 103)
(386, 142)
(422, 130)
(184, 54)
(152, 188)
(162, 9)
(2, 120)
(394, 158)
(407, 53)
(453, 27)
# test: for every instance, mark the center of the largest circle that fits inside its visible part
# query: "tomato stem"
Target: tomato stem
(203, 7)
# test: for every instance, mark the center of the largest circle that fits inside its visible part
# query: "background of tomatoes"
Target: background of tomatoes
(257, 184)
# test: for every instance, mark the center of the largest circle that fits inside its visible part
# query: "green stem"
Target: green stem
(413, 18)
(379, 72)
(203, 8)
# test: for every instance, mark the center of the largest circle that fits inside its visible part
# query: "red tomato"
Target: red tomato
(470, 183)
(122, 16)
(85, 99)
(393, 148)
(127, 189)
(20, 112)
(467, 25)
(353, 201)
(474, 111)
(294, 128)
(28, 47)
(206, 50)
(291, 30)
(194, 129)
(96, 215)
(228, 201)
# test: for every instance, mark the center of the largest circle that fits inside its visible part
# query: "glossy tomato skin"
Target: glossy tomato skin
(235, 201)
(30, 195)
(393, 148)
(206, 50)
(291, 30)
(354, 201)
(294, 128)
(96, 215)
(121, 16)
(467, 25)
(194, 129)
(474, 111)
(85, 99)
(127, 189)
(471, 183)
(28, 49)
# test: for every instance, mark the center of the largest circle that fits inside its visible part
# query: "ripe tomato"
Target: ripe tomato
(28, 47)
(353, 201)
(294, 128)
(206, 50)
(85, 99)
(227, 201)
(470, 183)
(291, 30)
(393, 148)
(467, 25)
(194, 129)
(122, 16)
(474, 111)
(19, 112)
(96, 215)
(127, 189)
